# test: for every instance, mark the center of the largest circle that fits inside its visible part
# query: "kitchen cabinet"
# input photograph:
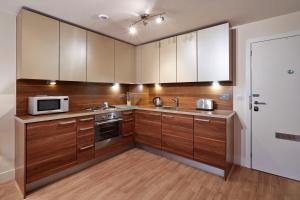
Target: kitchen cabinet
(177, 134)
(100, 58)
(124, 63)
(150, 63)
(210, 141)
(138, 64)
(50, 148)
(187, 57)
(148, 128)
(213, 54)
(128, 123)
(167, 60)
(37, 46)
(72, 53)
(85, 139)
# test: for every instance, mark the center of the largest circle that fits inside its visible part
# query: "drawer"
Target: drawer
(209, 151)
(85, 154)
(128, 127)
(178, 145)
(85, 131)
(212, 128)
(85, 122)
(84, 141)
(151, 116)
(126, 115)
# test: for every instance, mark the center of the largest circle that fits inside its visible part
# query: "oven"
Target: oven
(108, 129)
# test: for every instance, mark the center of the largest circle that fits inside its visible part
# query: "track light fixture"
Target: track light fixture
(145, 19)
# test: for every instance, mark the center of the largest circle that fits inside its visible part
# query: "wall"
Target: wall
(7, 94)
(82, 95)
(245, 33)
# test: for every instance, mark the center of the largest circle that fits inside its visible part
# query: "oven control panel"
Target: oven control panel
(107, 116)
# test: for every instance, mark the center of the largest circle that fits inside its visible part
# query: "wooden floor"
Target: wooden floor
(137, 174)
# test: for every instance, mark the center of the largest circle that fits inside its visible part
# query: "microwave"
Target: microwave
(39, 105)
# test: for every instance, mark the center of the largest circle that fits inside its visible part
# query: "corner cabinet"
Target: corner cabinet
(167, 60)
(213, 54)
(72, 53)
(100, 58)
(187, 57)
(37, 46)
(150, 63)
(124, 63)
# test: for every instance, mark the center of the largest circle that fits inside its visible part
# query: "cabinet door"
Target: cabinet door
(124, 63)
(210, 141)
(72, 53)
(100, 58)
(187, 57)
(150, 63)
(138, 64)
(38, 46)
(128, 123)
(167, 60)
(148, 128)
(50, 148)
(177, 134)
(213, 54)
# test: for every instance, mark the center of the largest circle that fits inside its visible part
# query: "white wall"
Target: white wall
(7, 94)
(245, 33)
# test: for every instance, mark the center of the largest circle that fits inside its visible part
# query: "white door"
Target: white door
(276, 124)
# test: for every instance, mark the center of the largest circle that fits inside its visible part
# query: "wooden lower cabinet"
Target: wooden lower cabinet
(177, 134)
(50, 148)
(85, 139)
(210, 141)
(128, 123)
(148, 128)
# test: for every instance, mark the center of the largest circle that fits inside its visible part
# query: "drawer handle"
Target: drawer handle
(67, 123)
(87, 147)
(127, 120)
(85, 129)
(86, 119)
(203, 120)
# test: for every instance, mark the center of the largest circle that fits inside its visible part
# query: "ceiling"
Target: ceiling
(181, 15)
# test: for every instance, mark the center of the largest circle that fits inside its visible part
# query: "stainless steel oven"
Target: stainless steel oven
(108, 129)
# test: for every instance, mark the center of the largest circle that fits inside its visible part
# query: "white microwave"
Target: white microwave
(39, 105)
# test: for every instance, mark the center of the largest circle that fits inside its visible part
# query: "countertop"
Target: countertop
(225, 114)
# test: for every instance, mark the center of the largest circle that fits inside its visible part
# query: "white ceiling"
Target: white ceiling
(181, 15)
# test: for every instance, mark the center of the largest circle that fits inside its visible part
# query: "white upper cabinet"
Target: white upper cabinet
(138, 64)
(100, 58)
(72, 53)
(124, 63)
(187, 57)
(150, 62)
(167, 60)
(37, 46)
(213, 54)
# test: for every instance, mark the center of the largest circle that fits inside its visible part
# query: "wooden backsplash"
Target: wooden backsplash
(82, 95)
(188, 93)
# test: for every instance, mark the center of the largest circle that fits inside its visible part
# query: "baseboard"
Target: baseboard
(7, 175)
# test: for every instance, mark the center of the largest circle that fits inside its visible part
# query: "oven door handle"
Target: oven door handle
(109, 121)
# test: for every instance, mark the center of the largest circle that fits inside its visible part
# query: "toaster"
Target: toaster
(205, 104)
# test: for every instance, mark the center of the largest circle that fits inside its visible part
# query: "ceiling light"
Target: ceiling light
(51, 82)
(103, 17)
(132, 30)
(216, 85)
(159, 19)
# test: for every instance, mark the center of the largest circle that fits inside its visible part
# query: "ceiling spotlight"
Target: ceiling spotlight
(132, 30)
(103, 17)
(159, 19)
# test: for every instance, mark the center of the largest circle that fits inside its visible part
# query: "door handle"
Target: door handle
(259, 103)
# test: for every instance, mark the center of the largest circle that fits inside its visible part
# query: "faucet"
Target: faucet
(176, 100)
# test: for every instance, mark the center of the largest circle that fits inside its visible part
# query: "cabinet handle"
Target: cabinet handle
(203, 120)
(86, 119)
(85, 129)
(67, 123)
(87, 147)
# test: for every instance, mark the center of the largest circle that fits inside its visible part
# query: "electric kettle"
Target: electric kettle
(157, 101)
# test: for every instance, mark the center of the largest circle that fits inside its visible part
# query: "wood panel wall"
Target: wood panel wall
(82, 95)
(188, 93)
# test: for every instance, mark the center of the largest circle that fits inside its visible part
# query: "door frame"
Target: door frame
(248, 87)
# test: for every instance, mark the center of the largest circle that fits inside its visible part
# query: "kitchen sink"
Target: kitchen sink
(168, 108)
